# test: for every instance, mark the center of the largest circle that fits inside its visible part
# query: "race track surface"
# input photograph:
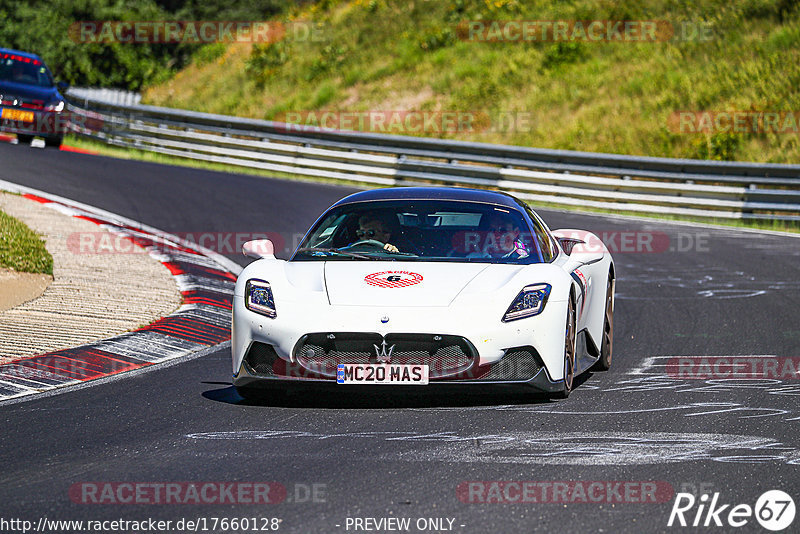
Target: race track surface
(719, 293)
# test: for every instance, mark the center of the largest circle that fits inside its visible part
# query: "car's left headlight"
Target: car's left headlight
(530, 301)
(258, 297)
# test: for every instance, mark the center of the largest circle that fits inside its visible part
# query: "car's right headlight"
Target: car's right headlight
(530, 301)
(258, 297)
(57, 107)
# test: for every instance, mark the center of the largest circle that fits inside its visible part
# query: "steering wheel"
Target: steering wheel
(367, 242)
(364, 243)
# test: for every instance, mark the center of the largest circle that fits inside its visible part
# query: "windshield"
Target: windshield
(421, 230)
(24, 70)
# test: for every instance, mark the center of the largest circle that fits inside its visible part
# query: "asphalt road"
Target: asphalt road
(408, 454)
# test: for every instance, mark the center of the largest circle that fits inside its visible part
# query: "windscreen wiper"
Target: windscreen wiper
(337, 252)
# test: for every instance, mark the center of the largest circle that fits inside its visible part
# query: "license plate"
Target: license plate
(17, 115)
(352, 373)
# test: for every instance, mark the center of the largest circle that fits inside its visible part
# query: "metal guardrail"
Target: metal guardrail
(110, 96)
(697, 188)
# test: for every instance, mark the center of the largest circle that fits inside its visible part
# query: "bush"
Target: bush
(330, 56)
(721, 146)
(562, 53)
(265, 59)
(436, 39)
(43, 27)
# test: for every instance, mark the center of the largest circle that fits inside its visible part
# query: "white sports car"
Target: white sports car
(423, 286)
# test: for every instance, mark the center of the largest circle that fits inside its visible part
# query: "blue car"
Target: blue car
(30, 102)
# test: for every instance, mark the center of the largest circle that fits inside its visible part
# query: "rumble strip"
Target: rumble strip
(205, 280)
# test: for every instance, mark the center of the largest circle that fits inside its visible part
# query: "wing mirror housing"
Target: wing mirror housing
(259, 248)
(581, 246)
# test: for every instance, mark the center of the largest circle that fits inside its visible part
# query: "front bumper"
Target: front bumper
(283, 375)
(526, 351)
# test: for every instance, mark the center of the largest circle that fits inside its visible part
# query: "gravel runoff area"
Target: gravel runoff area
(92, 296)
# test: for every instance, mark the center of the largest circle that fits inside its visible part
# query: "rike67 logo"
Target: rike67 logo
(774, 510)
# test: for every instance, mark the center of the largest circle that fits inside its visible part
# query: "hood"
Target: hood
(374, 283)
(29, 92)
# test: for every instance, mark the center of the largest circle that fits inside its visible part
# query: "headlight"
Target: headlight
(530, 301)
(258, 297)
(55, 107)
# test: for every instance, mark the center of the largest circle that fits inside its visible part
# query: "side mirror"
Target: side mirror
(567, 243)
(581, 246)
(259, 248)
(62, 86)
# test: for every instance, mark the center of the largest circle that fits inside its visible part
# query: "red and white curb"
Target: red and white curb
(204, 278)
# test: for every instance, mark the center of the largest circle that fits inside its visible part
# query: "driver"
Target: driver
(504, 238)
(376, 228)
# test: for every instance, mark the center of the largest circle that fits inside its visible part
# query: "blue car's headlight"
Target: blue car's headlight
(258, 297)
(57, 106)
(530, 301)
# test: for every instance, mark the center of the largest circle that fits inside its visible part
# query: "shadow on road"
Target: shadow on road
(333, 396)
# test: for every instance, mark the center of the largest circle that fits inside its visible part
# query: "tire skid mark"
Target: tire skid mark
(537, 448)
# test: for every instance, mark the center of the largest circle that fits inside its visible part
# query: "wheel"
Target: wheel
(54, 141)
(23, 139)
(607, 346)
(570, 340)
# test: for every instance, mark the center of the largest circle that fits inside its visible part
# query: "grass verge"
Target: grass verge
(21, 249)
(606, 95)
(153, 157)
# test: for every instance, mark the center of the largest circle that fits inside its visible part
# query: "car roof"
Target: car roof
(19, 53)
(433, 193)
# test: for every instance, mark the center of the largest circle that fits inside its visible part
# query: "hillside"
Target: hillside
(609, 96)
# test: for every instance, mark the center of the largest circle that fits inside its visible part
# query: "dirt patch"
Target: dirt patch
(19, 288)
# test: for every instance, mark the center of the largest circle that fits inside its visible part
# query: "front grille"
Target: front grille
(518, 364)
(261, 358)
(444, 355)
(449, 357)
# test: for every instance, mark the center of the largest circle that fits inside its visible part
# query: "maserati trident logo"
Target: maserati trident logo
(383, 355)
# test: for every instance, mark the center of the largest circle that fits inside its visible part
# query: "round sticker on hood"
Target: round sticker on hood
(393, 279)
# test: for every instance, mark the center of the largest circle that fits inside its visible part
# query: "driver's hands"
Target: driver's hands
(390, 247)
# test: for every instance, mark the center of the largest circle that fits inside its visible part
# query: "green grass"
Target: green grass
(140, 155)
(599, 97)
(21, 249)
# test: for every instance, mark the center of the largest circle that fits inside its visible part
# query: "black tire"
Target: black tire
(607, 343)
(54, 141)
(570, 349)
(23, 139)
